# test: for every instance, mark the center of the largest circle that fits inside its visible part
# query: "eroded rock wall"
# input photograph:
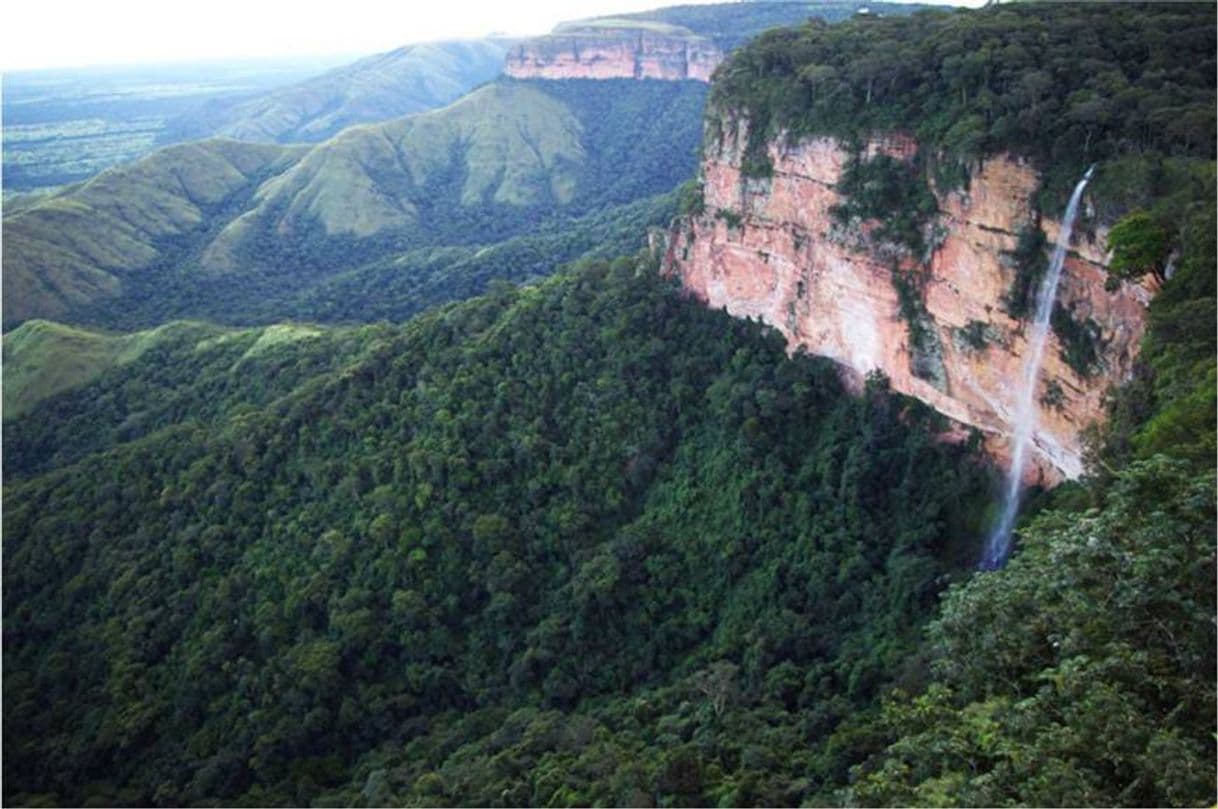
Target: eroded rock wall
(772, 249)
(613, 54)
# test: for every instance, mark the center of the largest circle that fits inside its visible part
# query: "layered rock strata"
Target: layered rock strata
(615, 53)
(772, 249)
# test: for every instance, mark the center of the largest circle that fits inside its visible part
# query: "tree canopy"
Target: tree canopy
(1066, 84)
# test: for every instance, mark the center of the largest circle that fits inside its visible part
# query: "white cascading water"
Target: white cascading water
(999, 545)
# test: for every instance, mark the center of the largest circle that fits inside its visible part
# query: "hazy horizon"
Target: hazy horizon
(124, 33)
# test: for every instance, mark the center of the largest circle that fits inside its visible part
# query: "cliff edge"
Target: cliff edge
(615, 49)
(938, 323)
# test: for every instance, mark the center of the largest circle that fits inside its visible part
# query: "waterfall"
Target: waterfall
(999, 544)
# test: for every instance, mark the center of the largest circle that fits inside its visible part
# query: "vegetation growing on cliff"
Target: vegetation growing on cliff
(890, 192)
(1030, 263)
(890, 196)
(975, 335)
(691, 198)
(1170, 403)
(1064, 84)
(1101, 627)
(1140, 245)
(1080, 338)
(925, 350)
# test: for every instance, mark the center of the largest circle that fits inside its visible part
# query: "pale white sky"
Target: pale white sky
(62, 33)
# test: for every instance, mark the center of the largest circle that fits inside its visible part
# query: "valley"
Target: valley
(619, 416)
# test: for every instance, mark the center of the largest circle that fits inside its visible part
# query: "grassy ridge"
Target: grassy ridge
(517, 146)
(77, 392)
(69, 250)
(230, 231)
(42, 359)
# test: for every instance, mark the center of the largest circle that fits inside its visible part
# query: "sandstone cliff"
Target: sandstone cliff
(772, 249)
(607, 50)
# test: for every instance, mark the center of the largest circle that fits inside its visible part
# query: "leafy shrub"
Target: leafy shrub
(1081, 341)
(1030, 265)
(691, 200)
(1140, 244)
(893, 192)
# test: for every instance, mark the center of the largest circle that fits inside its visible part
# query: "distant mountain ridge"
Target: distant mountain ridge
(387, 85)
(730, 25)
(220, 227)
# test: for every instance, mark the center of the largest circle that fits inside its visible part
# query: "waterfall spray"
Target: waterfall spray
(998, 547)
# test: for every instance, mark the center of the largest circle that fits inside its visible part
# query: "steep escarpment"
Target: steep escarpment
(885, 192)
(615, 49)
(937, 322)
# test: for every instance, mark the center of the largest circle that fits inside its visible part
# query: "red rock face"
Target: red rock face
(614, 54)
(771, 249)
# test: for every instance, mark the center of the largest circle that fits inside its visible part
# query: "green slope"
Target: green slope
(377, 88)
(404, 285)
(519, 147)
(67, 251)
(239, 232)
(75, 392)
(43, 359)
(492, 165)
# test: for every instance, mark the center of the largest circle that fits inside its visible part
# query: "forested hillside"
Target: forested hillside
(525, 506)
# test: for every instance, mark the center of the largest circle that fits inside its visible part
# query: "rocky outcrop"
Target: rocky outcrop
(772, 249)
(606, 51)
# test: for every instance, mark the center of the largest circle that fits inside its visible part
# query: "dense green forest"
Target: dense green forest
(587, 542)
(583, 541)
(535, 502)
